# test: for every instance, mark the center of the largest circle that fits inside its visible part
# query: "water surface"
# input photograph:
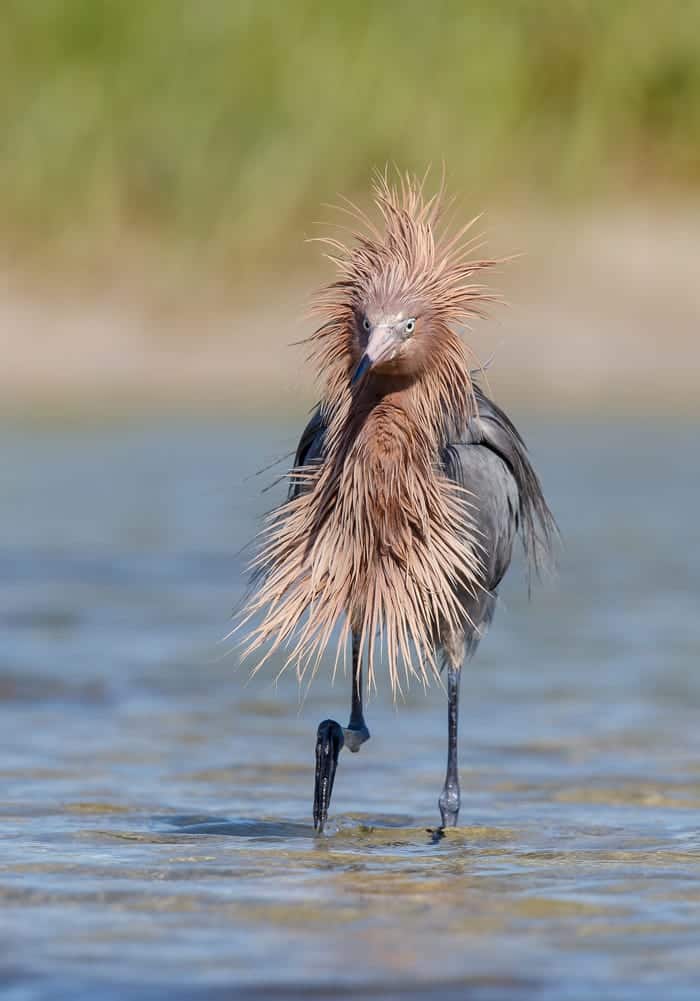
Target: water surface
(155, 807)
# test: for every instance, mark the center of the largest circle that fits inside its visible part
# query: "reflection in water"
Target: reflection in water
(155, 815)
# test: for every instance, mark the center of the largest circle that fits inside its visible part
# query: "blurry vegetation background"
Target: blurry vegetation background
(162, 162)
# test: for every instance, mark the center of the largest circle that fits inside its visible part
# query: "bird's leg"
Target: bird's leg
(332, 737)
(449, 797)
(356, 732)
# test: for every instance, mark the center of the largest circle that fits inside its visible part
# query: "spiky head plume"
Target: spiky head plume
(407, 265)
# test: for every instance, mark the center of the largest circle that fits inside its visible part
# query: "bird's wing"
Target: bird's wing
(491, 461)
(309, 449)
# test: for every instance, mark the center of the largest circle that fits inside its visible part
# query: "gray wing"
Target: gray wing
(493, 503)
(309, 449)
(491, 462)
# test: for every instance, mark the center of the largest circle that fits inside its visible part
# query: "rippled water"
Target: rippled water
(155, 808)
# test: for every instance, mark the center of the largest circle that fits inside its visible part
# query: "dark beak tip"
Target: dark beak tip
(362, 368)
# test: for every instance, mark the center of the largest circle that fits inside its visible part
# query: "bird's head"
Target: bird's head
(385, 342)
(405, 283)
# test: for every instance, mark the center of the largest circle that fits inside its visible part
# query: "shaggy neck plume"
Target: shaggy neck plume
(377, 539)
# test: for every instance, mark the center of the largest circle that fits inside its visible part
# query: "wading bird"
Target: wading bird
(409, 485)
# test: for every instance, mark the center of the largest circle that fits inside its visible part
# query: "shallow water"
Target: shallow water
(155, 809)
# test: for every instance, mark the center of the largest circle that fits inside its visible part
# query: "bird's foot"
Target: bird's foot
(329, 741)
(331, 738)
(436, 834)
(355, 736)
(449, 805)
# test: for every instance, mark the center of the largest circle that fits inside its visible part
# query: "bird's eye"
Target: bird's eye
(366, 325)
(410, 326)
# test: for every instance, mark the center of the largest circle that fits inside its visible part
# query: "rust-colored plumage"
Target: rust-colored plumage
(375, 536)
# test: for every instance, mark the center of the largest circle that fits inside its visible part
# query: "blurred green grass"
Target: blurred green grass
(227, 123)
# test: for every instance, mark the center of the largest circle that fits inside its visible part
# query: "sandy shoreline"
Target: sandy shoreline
(604, 314)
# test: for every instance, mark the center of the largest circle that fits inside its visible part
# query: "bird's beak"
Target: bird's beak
(380, 347)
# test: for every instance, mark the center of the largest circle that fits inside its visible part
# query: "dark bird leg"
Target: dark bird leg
(332, 737)
(356, 732)
(449, 797)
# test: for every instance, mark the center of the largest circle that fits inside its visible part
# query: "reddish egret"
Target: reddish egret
(409, 484)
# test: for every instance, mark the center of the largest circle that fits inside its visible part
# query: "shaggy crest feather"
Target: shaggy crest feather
(374, 536)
